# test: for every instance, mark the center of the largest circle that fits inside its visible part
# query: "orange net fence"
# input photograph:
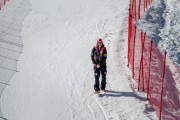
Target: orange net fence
(154, 75)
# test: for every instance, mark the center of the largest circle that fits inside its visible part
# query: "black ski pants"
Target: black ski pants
(97, 71)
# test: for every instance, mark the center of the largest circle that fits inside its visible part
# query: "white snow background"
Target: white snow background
(56, 77)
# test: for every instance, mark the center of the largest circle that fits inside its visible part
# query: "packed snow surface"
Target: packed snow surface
(56, 75)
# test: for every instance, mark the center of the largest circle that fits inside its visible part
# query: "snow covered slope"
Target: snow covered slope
(162, 22)
(11, 18)
(56, 78)
(171, 31)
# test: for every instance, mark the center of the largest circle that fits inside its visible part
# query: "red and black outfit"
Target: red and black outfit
(99, 56)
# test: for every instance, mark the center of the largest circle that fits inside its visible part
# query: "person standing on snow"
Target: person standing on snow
(98, 57)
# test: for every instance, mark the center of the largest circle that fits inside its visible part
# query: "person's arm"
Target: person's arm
(92, 56)
(104, 57)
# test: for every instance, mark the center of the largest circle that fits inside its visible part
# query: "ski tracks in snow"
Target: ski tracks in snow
(113, 105)
(62, 84)
(100, 106)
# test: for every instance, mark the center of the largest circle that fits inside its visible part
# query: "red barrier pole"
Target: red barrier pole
(144, 5)
(130, 39)
(139, 9)
(149, 71)
(162, 88)
(139, 74)
(135, 9)
(143, 70)
(132, 9)
(140, 67)
(131, 3)
(134, 51)
(4, 2)
(130, 30)
(143, 59)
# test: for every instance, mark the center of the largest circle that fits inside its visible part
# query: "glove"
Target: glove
(98, 66)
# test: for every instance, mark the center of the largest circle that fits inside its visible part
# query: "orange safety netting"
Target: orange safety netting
(149, 67)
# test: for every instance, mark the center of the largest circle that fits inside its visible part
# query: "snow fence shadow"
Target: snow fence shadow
(11, 19)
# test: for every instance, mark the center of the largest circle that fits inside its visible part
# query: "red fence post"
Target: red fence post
(162, 88)
(135, 9)
(132, 7)
(134, 51)
(144, 5)
(149, 71)
(139, 80)
(139, 9)
(141, 68)
(4, 2)
(129, 34)
(143, 59)
(130, 38)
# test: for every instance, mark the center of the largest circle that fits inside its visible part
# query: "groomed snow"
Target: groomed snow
(56, 78)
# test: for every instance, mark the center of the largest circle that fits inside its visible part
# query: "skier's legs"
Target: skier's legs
(103, 73)
(97, 75)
